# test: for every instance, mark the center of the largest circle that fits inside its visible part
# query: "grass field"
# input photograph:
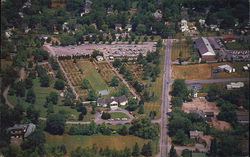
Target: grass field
(180, 46)
(4, 63)
(91, 74)
(204, 71)
(156, 87)
(118, 115)
(115, 141)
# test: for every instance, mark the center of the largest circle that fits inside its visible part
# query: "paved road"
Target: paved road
(217, 80)
(165, 102)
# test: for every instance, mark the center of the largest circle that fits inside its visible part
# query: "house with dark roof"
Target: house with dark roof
(113, 102)
(204, 48)
(21, 130)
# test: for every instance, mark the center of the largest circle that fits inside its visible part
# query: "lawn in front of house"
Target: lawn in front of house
(113, 142)
(118, 115)
(204, 71)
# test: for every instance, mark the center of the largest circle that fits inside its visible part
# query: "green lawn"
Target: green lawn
(4, 63)
(115, 141)
(91, 74)
(119, 115)
(41, 94)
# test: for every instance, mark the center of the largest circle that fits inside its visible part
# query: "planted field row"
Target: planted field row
(75, 78)
(69, 66)
(106, 72)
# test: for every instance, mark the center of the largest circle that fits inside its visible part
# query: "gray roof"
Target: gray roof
(203, 45)
(242, 116)
(196, 86)
(28, 127)
(108, 100)
(103, 92)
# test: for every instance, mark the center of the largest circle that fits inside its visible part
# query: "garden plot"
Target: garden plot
(48, 69)
(105, 71)
(136, 70)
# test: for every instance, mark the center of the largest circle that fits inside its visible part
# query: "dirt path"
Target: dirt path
(6, 90)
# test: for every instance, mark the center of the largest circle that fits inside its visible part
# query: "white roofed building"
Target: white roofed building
(204, 48)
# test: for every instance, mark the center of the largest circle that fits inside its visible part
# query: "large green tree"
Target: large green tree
(55, 124)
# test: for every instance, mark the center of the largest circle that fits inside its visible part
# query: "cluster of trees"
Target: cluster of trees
(181, 123)
(179, 92)
(90, 129)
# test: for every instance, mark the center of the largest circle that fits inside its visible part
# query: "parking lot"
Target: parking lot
(115, 50)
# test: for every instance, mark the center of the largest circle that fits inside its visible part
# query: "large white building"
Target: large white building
(204, 48)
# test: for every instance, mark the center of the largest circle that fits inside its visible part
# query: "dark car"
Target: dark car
(216, 71)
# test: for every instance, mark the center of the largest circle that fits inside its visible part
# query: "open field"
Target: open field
(115, 141)
(118, 115)
(92, 75)
(204, 71)
(180, 46)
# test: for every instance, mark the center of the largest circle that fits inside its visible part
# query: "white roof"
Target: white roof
(209, 47)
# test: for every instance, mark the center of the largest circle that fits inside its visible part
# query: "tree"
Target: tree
(142, 127)
(180, 89)
(132, 104)
(59, 84)
(34, 142)
(172, 152)
(117, 63)
(85, 84)
(105, 115)
(20, 89)
(31, 97)
(136, 150)
(180, 137)
(123, 131)
(53, 98)
(55, 124)
(176, 101)
(114, 81)
(141, 109)
(44, 80)
(28, 83)
(141, 29)
(213, 147)
(50, 109)
(147, 150)
(32, 114)
(91, 95)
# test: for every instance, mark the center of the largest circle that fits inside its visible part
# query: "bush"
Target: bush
(105, 115)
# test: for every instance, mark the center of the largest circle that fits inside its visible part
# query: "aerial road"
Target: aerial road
(165, 101)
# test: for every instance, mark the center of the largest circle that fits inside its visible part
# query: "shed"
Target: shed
(99, 58)
(242, 117)
(103, 92)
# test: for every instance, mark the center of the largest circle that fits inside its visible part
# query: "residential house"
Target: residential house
(65, 26)
(128, 27)
(196, 134)
(113, 102)
(158, 15)
(87, 6)
(243, 117)
(21, 130)
(229, 39)
(209, 114)
(204, 48)
(202, 22)
(118, 27)
(56, 31)
(195, 88)
(110, 10)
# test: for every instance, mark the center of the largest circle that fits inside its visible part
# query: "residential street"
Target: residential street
(165, 101)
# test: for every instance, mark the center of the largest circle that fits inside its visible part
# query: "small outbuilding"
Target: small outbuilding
(99, 58)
